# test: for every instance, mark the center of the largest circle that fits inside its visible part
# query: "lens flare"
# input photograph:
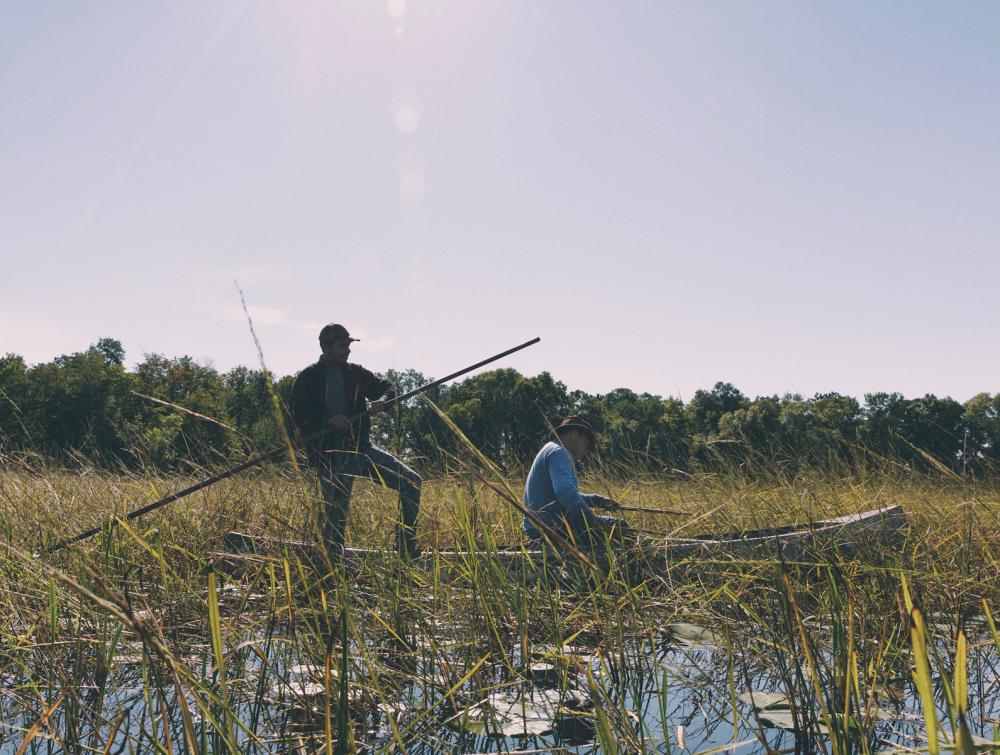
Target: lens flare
(412, 184)
(397, 9)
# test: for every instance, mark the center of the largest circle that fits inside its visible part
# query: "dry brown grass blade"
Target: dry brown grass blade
(186, 721)
(116, 724)
(184, 409)
(37, 726)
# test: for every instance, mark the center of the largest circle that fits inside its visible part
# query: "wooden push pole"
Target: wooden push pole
(275, 452)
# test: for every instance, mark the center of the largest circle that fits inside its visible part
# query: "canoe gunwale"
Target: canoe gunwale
(841, 531)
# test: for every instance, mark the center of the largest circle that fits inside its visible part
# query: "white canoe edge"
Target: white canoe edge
(843, 531)
(846, 531)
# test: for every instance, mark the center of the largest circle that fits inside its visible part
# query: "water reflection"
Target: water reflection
(428, 671)
(655, 690)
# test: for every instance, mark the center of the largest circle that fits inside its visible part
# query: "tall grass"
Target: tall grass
(146, 639)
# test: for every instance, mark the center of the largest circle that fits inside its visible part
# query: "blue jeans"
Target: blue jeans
(337, 472)
(589, 536)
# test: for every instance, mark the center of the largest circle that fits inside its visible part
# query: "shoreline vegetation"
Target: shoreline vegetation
(176, 415)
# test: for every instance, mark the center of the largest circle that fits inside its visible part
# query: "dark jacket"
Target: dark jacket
(308, 402)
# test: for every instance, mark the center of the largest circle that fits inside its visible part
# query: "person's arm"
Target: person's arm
(596, 501)
(375, 388)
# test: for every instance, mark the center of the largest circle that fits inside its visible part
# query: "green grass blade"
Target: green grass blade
(922, 678)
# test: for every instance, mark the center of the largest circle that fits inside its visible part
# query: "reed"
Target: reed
(140, 640)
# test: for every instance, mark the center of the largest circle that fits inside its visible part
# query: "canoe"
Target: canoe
(845, 534)
(249, 547)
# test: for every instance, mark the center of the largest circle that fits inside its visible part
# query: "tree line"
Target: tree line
(172, 413)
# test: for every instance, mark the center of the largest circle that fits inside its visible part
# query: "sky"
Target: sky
(792, 197)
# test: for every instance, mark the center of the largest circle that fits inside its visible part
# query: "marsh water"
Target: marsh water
(677, 688)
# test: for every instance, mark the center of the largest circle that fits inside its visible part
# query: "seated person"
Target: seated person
(552, 493)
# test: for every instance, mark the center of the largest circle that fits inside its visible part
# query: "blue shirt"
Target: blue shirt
(551, 491)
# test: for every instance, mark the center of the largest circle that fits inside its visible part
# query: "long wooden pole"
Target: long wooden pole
(644, 510)
(252, 462)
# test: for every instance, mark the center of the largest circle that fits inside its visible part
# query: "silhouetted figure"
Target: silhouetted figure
(325, 395)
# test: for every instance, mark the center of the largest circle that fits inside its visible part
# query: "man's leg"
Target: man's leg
(394, 474)
(597, 531)
(336, 487)
(619, 528)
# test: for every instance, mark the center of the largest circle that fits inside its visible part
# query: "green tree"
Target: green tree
(707, 408)
(704, 414)
(822, 431)
(184, 382)
(505, 414)
(908, 429)
(982, 418)
(410, 427)
(77, 402)
(249, 404)
(638, 430)
(15, 434)
(758, 428)
(936, 426)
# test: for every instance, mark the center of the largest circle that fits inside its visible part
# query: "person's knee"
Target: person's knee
(411, 479)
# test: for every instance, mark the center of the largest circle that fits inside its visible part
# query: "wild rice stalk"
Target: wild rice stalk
(215, 631)
(922, 679)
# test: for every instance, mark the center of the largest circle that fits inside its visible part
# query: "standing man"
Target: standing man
(552, 492)
(325, 395)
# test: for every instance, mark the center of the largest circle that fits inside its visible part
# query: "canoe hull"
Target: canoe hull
(844, 534)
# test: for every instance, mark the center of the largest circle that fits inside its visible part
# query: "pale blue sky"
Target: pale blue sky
(789, 196)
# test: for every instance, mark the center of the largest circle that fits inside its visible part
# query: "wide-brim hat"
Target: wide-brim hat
(573, 422)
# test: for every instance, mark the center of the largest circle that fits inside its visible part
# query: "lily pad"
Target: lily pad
(729, 747)
(543, 674)
(308, 670)
(578, 725)
(503, 714)
(765, 700)
(298, 689)
(691, 634)
(777, 719)
(577, 699)
(782, 719)
(884, 714)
